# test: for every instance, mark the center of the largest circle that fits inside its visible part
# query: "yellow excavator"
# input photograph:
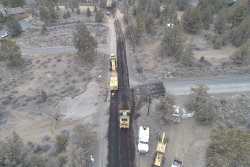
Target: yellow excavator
(124, 119)
(159, 158)
(113, 75)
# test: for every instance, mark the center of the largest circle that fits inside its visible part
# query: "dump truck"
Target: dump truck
(124, 119)
(159, 157)
(176, 163)
(113, 75)
(176, 114)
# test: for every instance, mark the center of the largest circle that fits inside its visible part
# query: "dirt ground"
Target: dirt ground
(64, 77)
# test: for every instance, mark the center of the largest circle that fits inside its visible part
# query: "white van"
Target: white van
(143, 139)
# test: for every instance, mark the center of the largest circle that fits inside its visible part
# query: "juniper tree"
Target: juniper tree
(172, 11)
(155, 6)
(44, 15)
(95, 9)
(201, 102)
(229, 148)
(75, 4)
(13, 152)
(13, 26)
(78, 11)
(134, 11)
(11, 51)
(139, 10)
(242, 55)
(66, 6)
(237, 13)
(149, 23)
(88, 12)
(192, 19)
(53, 14)
(165, 107)
(207, 16)
(173, 41)
(99, 16)
(188, 55)
(182, 4)
(220, 24)
(103, 3)
(242, 33)
(139, 29)
(2, 18)
(84, 43)
(37, 161)
(76, 156)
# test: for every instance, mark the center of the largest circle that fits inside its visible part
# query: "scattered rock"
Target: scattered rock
(198, 47)
(45, 147)
(55, 151)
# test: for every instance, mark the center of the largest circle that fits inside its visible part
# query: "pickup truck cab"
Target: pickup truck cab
(143, 139)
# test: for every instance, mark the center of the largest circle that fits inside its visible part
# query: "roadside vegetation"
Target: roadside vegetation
(13, 152)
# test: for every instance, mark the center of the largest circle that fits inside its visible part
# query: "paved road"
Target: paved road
(102, 49)
(224, 84)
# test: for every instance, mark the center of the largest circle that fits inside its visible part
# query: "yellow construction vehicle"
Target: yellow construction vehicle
(124, 119)
(159, 158)
(113, 75)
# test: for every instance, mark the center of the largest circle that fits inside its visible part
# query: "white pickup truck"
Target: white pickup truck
(143, 139)
(176, 163)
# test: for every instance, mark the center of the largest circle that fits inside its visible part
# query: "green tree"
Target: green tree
(53, 14)
(2, 18)
(68, 14)
(88, 12)
(103, 4)
(165, 107)
(84, 43)
(241, 33)
(139, 29)
(202, 103)
(76, 156)
(188, 55)
(237, 13)
(192, 20)
(11, 51)
(173, 40)
(44, 95)
(18, 3)
(61, 142)
(149, 23)
(75, 4)
(43, 30)
(242, 55)
(95, 9)
(134, 11)
(13, 152)
(5, 2)
(182, 4)
(44, 15)
(155, 6)
(36, 161)
(220, 25)
(13, 26)
(230, 148)
(172, 8)
(78, 11)
(57, 8)
(139, 10)
(66, 6)
(99, 16)
(207, 17)
(83, 137)
(129, 30)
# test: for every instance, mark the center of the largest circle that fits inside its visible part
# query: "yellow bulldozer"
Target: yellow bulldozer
(124, 119)
(159, 157)
(113, 75)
